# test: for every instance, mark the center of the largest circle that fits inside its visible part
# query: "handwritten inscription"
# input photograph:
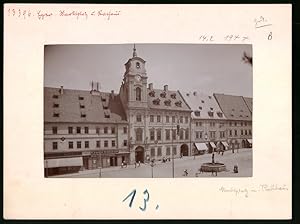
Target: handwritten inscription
(62, 13)
(261, 22)
(227, 37)
(146, 199)
(248, 190)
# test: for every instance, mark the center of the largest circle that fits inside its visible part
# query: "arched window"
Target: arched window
(138, 93)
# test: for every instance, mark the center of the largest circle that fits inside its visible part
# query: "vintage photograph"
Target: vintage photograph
(148, 111)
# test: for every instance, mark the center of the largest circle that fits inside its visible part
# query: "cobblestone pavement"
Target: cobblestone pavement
(164, 170)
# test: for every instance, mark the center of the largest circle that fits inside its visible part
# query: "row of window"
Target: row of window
(158, 151)
(243, 132)
(242, 123)
(87, 144)
(159, 119)
(212, 134)
(78, 130)
(182, 134)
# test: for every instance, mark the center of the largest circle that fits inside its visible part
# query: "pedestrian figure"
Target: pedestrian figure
(185, 172)
(135, 164)
(213, 158)
(122, 165)
(235, 169)
(139, 163)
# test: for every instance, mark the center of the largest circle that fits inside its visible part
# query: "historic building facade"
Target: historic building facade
(92, 129)
(154, 115)
(209, 124)
(239, 119)
(83, 130)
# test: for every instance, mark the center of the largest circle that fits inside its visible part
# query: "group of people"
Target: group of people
(124, 164)
(164, 159)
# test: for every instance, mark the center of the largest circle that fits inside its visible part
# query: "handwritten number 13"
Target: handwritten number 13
(132, 194)
(145, 200)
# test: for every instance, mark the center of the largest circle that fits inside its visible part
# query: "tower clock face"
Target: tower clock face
(138, 78)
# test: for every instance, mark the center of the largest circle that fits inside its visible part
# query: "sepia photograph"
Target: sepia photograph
(148, 111)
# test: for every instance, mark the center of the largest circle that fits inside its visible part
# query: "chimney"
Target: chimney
(61, 90)
(112, 94)
(195, 93)
(166, 88)
(97, 86)
(151, 86)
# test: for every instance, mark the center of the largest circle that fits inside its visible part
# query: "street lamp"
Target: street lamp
(205, 137)
(152, 164)
(100, 167)
(46, 168)
(146, 148)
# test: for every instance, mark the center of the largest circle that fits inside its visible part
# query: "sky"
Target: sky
(206, 68)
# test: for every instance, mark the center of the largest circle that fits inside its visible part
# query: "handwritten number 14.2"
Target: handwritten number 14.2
(146, 199)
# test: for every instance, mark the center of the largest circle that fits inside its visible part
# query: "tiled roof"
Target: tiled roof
(203, 106)
(234, 107)
(168, 100)
(82, 106)
(249, 102)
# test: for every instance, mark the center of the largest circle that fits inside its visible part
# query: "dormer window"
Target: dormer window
(220, 114)
(55, 96)
(211, 108)
(197, 113)
(82, 106)
(178, 103)
(210, 113)
(241, 115)
(152, 93)
(173, 95)
(156, 101)
(83, 115)
(55, 105)
(200, 108)
(231, 115)
(202, 101)
(163, 95)
(56, 115)
(81, 98)
(168, 102)
(209, 97)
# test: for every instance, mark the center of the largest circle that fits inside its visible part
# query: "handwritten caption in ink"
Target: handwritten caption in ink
(47, 14)
(251, 190)
(146, 199)
(259, 23)
(227, 37)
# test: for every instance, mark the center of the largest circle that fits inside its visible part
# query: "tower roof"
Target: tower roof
(134, 52)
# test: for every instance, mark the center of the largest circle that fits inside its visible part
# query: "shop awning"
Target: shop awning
(225, 144)
(213, 145)
(249, 140)
(201, 146)
(63, 162)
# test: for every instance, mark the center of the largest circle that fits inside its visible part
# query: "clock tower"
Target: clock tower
(135, 82)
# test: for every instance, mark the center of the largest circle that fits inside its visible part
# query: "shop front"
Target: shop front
(104, 158)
